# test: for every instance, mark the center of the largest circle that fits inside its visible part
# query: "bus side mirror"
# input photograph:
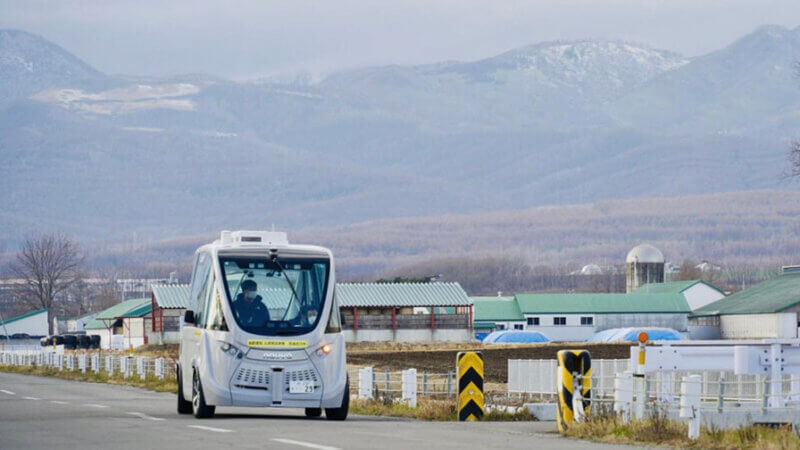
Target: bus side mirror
(188, 317)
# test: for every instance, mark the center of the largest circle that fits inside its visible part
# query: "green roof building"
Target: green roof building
(576, 317)
(123, 325)
(767, 310)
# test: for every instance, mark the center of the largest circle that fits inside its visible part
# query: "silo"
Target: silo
(644, 264)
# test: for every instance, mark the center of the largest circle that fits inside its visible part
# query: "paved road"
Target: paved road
(44, 412)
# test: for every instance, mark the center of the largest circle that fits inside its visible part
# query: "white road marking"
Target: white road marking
(6, 392)
(216, 430)
(305, 444)
(31, 398)
(95, 405)
(59, 402)
(144, 416)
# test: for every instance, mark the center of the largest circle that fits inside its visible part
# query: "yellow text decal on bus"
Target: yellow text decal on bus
(271, 343)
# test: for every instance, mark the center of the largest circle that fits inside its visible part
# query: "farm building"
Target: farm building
(405, 312)
(696, 292)
(496, 313)
(168, 303)
(129, 319)
(33, 323)
(576, 317)
(766, 310)
(73, 324)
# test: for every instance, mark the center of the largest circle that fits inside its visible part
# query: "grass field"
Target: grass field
(658, 430)
(441, 358)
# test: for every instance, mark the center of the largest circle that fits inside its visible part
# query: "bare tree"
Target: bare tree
(47, 265)
(794, 160)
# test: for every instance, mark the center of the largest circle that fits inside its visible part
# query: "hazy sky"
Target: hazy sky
(247, 39)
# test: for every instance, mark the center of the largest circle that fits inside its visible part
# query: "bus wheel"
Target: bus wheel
(184, 406)
(199, 407)
(340, 413)
(313, 412)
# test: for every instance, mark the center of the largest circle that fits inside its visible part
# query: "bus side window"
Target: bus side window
(199, 275)
(216, 320)
(201, 313)
(334, 322)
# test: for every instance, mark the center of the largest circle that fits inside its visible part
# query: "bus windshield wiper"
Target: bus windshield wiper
(273, 254)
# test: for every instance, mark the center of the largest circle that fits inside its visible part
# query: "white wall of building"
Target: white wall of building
(758, 326)
(35, 325)
(700, 295)
(579, 327)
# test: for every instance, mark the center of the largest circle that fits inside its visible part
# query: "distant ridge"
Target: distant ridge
(555, 123)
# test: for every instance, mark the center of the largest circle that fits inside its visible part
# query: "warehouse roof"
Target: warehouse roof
(672, 286)
(23, 316)
(400, 294)
(171, 296)
(128, 308)
(634, 302)
(496, 308)
(770, 296)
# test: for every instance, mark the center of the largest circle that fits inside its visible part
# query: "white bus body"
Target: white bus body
(262, 328)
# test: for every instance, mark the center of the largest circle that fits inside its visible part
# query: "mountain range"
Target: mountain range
(562, 122)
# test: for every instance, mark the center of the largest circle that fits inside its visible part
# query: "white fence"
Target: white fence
(538, 376)
(122, 365)
(369, 383)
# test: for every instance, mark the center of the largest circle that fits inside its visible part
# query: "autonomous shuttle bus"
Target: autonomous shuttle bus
(262, 328)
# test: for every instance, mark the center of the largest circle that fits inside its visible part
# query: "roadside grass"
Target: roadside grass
(151, 382)
(434, 410)
(658, 430)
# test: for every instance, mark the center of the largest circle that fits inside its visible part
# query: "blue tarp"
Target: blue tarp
(514, 336)
(632, 335)
(481, 335)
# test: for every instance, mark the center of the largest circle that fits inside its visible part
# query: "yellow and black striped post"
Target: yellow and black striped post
(469, 367)
(572, 362)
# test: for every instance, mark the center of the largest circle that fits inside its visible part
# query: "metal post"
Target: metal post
(388, 382)
(577, 397)
(690, 404)
(450, 383)
(410, 387)
(623, 395)
(424, 383)
(365, 382)
(160, 368)
(721, 396)
(776, 372)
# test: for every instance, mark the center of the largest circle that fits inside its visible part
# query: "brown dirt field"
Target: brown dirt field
(495, 357)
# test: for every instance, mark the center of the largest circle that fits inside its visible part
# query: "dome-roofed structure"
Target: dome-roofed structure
(644, 264)
(591, 269)
(645, 253)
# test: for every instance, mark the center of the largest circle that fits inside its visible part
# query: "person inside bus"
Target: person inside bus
(249, 306)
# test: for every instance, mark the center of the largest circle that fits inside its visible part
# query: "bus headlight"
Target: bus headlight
(231, 350)
(323, 350)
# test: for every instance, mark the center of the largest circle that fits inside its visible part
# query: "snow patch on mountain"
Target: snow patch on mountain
(125, 99)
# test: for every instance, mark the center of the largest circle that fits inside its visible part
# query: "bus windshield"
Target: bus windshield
(271, 299)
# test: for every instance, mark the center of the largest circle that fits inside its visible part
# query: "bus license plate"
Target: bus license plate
(301, 387)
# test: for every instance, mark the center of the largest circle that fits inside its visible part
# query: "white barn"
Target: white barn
(33, 323)
(767, 310)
